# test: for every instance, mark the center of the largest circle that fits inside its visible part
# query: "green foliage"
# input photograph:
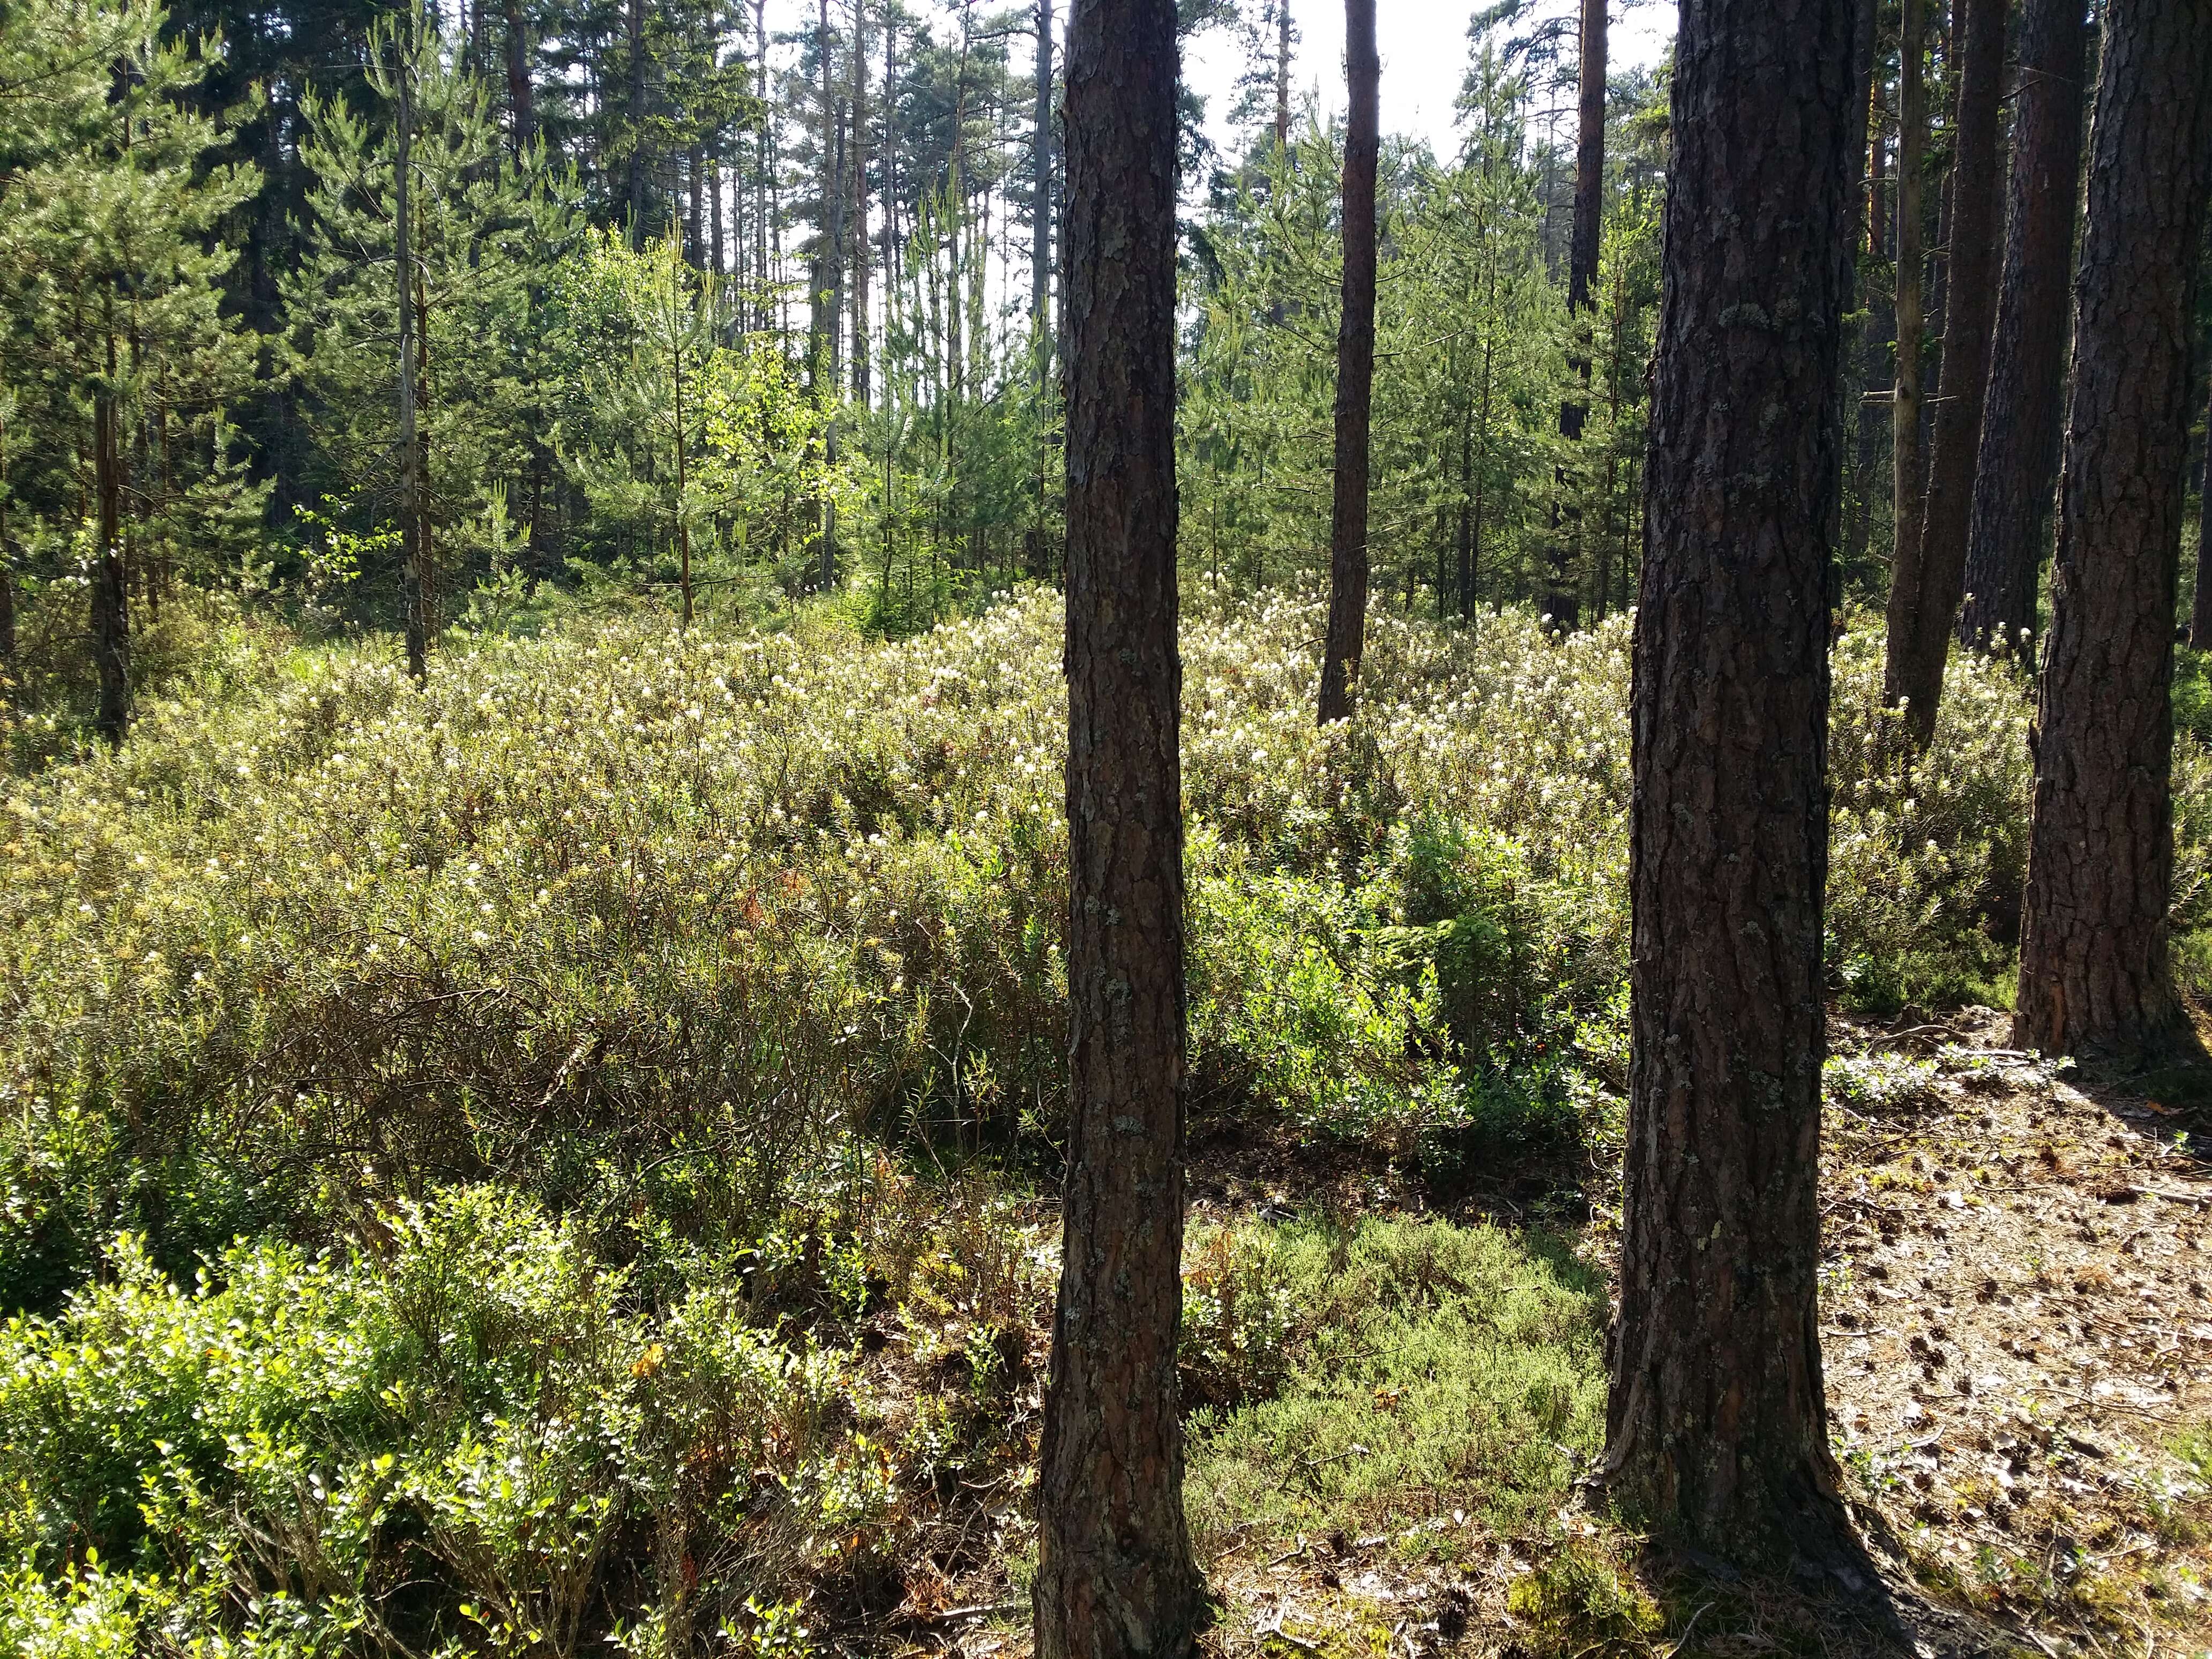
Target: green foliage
(463, 1391)
(1584, 1599)
(489, 230)
(630, 919)
(113, 261)
(1426, 1366)
(1485, 502)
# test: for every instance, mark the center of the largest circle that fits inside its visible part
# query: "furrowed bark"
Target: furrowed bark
(2018, 469)
(1116, 1575)
(1969, 308)
(1717, 1419)
(2093, 973)
(1905, 479)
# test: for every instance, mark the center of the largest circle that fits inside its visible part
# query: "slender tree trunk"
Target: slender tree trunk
(695, 229)
(1465, 569)
(1852, 389)
(2093, 975)
(683, 489)
(823, 277)
(519, 98)
(634, 192)
(1717, 1422)
(1115, 1576)
(426, 551)
(1906, 497)
(2200, 618)
(1881, 339)
(1917, 675)
(8, 686)
(1041, 186)
(825, 313)
(761, 272)
(1589, 172)
(1562, 600)
(1282, 76)
(111, 599)
(410, 458)
(1355, 373)
(2017, 473)
(717, 247)
(859, 237)
(1481, 475)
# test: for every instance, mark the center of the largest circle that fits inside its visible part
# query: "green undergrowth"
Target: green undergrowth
(462, 1430)
(523, 1078)
(1377, 1378)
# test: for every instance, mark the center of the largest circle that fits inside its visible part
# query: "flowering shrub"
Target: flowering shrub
(639, 921)
(1927, 852)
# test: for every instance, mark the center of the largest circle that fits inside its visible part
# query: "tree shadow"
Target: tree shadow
(2163, 1094)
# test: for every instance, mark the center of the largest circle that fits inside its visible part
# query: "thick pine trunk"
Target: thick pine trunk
(1355, 373)
(1906, 499)
(1115, 1576)
(1717, 1419)
(2093, 976)
(1918, 657)
(2018, 468)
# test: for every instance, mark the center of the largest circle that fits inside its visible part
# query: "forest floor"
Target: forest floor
(2019, 1349)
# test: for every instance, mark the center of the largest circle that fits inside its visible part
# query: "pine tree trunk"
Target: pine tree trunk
(716, 246)
(633, 190)
(1115, 1576)
(1878, 345)
(858, 236)
(1465, 573)
(695, 229)
(761, 167)
(412, 557)
(111, 612)
(1717, 1422)
(519, 90)
(1355, 373)
(1971, 301)
(1562, 600)
(9, 690)
(2018, 470)
(1906, 499)
(1041, 188)
(2200, 618)
(2093, 975)
(1589, 169)
(1282, 76)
